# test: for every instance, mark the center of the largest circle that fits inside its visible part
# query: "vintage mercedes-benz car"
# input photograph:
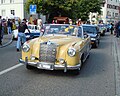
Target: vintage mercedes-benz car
(62, 47)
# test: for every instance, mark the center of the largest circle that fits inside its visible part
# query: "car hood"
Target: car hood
(92, 35)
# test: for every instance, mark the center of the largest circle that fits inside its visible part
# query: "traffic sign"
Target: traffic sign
(33, 9)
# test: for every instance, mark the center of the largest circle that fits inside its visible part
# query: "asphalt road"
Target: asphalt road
(97, 76)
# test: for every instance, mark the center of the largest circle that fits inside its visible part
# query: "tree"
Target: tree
(84, 8)
(73, 9)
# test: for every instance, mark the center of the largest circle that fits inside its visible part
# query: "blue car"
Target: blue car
(93, 32)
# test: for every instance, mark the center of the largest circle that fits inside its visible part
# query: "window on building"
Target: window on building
(2, 1)
(116, 14)
(108, 13)
(3, 13)
(11, 1)
(13, 12)
(113, 14)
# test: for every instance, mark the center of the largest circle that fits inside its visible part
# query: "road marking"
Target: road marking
(11, 68)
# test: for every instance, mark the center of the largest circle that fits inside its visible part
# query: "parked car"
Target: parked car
(61, 47)
(34, 32)
(103, 29)
(93, 32)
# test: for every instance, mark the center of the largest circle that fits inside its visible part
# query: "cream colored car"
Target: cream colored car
(62, 47)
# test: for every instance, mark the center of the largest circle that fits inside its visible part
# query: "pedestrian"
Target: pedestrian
(0, 31)
(117, 27)
(9, 26)
(53, 22)
(39, 23)
(21, 35)
(111, 28)
(31, 20)
(79, 22)
(3, 27)
(35, 21)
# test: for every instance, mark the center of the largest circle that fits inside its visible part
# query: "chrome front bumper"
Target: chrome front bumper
(50, 66)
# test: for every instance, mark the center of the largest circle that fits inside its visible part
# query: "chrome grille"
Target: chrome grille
(47, 53)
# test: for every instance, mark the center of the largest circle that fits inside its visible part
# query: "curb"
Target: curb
(116, 54)
(8, 43)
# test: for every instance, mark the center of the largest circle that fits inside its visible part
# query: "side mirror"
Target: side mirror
(85, 36)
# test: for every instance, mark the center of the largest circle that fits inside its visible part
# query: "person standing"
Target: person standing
(117, 27)
(21, 35)
(39, 23)
(79, 22)
(35, 21)
(31, 20)
(3, 27)
(0, 31)
(9, 26)
(111, 28)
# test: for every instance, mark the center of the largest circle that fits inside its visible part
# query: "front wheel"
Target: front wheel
(95, 45)
(77, 71)
(29, 67)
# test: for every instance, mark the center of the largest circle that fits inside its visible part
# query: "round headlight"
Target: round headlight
(32, 57)
(71, 52)
(26, 48)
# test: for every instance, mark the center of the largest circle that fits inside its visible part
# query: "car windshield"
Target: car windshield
(59, 29)
(90, 29)
(56, 29)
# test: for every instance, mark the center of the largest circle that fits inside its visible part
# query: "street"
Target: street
(96, 78)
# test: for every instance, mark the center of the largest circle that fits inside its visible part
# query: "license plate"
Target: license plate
(46, 66)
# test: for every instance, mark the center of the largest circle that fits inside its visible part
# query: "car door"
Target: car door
(86, 42)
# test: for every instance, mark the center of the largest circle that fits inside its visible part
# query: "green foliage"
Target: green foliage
(73, 9)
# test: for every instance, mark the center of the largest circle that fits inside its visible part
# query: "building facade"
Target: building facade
(110, 11)
(12, 8)
(16, 8)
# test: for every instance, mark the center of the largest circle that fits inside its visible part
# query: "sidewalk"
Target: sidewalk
(116, 61)
(7, 39)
